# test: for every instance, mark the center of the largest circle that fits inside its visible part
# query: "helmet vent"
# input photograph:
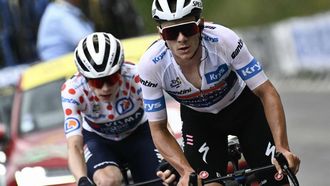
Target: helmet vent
(118, 52)
(158, 6)
(107, 49)
(172, 4)
(86, 52)
(98, 68)
(186, 2)
(81, 64)
(96, 43)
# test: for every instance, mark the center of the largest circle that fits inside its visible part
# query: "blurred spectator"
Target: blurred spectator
(62, 26)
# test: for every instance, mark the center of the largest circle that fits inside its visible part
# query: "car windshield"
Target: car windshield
(41, 108)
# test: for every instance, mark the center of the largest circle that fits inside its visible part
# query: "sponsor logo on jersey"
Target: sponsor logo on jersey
(71, 124)
(175, 83)
(139, 91)
(181, 92)
(118, 126)
(69, 100)
(238, 49)
(278, 177)
(208, 97)
(154, 105)
(160, 57)
(216, 75)
(148, 83)
(203, 175)
(204, 149)
(212, 39)
(270, 151)
(124, 105)
(80, 84)
(250, 70)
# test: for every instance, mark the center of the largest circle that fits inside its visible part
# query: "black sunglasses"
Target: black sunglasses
(187, 29)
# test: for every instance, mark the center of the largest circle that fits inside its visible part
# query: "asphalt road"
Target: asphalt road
(308, 124)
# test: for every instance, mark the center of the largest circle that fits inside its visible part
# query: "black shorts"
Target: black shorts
(206, 142)
(137, 151)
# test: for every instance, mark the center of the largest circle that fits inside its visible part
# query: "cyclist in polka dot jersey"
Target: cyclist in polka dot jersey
(105, 123)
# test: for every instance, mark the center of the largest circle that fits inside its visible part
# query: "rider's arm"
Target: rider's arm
(76, 156)
(169, 148)
(274, 113)
(276, 118)
(73, 128)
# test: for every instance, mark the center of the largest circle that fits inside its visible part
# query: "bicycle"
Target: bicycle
(234, 154)
(240, 176)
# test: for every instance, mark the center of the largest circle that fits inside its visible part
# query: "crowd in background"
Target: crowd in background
(19, 24)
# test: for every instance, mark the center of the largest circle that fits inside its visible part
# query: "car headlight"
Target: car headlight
(3, 157)
(39, 176)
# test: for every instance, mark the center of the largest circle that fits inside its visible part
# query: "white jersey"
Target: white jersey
(226, 68)
(113, 120)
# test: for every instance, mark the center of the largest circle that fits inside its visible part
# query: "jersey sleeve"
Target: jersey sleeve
(71, 108)
(246, 66)
(151, 83)
(134, 81)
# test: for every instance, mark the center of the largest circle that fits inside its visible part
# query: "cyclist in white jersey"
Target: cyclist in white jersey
(222, 90)
(105, 123)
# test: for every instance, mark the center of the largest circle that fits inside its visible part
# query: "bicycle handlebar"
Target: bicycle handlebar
(285, 166)
(237, 174)
(246, 172)
(156, 180)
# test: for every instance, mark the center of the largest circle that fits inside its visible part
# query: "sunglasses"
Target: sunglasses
(187, 29)
(99, 82)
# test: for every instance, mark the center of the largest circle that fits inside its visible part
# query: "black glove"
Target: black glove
(164, 165)
(84, 181)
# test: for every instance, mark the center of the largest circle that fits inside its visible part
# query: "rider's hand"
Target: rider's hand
(184, 180)
(167, 173)
(292, 159)
(84, 181)
(167, 177)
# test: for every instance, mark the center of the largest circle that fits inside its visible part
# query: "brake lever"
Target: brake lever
(285, 166)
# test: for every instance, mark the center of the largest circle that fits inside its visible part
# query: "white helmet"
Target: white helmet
(99, 54)
(163, 10)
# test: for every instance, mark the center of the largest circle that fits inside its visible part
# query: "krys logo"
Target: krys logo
(158, 58)
(154, 105)
(250, 70)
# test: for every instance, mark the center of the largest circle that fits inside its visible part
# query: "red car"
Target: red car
(36, 147)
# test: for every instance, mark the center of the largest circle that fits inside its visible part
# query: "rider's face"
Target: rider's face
(106, 88)
(182, 37)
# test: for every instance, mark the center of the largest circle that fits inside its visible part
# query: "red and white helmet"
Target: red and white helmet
(99, 54)
(169, 10)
